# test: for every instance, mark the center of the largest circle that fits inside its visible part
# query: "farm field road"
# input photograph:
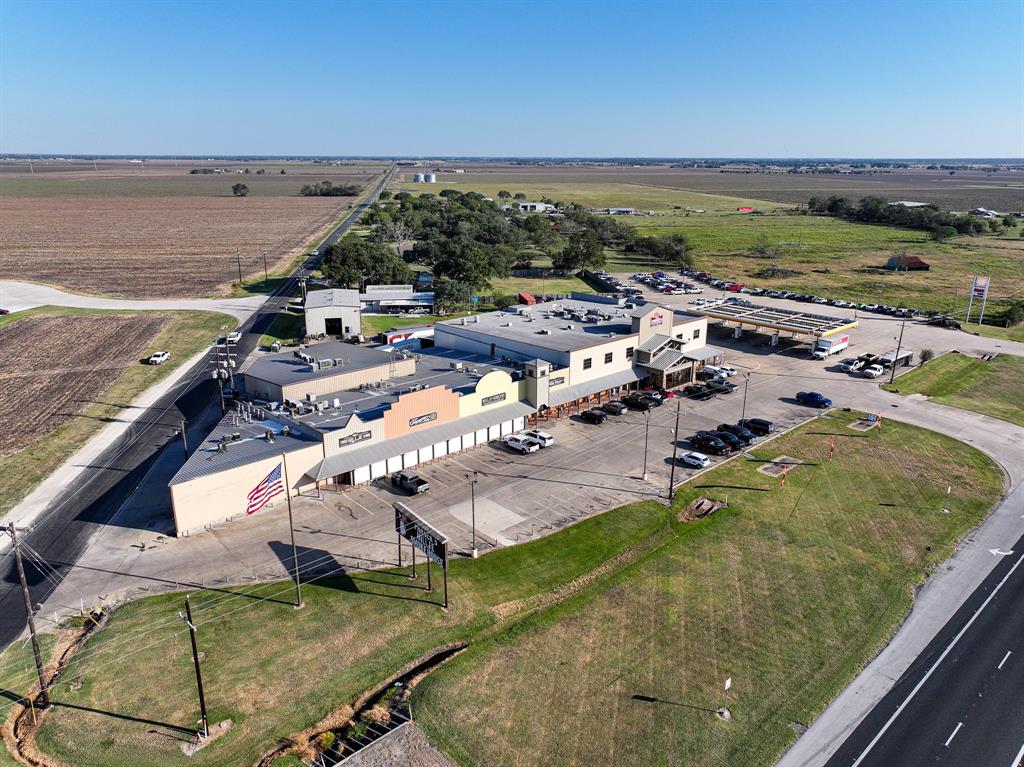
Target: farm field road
(63, 531)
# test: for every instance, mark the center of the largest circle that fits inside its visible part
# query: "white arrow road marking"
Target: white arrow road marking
(1008, 654)
(999, 553)
(953, 734)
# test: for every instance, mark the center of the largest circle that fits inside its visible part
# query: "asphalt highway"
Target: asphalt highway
(61, 533)
(962, 701)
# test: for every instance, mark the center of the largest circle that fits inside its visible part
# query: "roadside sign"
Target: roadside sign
(421, 535)
(979, 289)
(728, 683)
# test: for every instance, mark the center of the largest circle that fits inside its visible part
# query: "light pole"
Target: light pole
(746, 385)
(472, 511)
(266, 277)
(238, 259)
(899, 345)
(675, 452)
(647, 431)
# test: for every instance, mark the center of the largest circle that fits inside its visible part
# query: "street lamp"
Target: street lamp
(472, 511)
(899, 345)
(675, 452)
(647, 431)
(746, 385)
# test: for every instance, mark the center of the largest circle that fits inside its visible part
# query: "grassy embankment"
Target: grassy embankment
(993, 387)
(789, 592)
(188, 333)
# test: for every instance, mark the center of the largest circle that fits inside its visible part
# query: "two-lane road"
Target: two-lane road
(62, 532)
(962, 702)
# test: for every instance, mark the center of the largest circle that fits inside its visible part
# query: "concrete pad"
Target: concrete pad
(492, 518)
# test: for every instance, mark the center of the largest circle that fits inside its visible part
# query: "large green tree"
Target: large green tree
(583, 251)
(353, 261)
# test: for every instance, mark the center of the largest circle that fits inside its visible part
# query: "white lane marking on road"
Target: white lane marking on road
(927, 676)
(1019, 757)
(1008, 654)
(1000, 552)
(953, 734)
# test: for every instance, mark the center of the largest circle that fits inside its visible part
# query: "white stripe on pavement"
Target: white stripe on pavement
(925, 678)
(1020, 756)
(1008, 654)
(953, 734)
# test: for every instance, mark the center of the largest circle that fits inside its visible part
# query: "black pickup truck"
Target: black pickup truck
(410, 481)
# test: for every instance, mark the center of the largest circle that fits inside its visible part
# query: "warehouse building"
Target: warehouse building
(337, 311)
(333, 415)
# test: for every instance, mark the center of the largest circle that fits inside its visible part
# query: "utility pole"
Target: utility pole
(647, 431)
(266, 277)
(220, 384)
(291, 531)
(44, 692)
(238, 259)
(746, 385)
(472, 510)
(195, 659)
(184, 438)
(675, 452)
(899, 345)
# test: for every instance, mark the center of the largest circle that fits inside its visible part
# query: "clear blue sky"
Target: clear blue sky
(766, 79)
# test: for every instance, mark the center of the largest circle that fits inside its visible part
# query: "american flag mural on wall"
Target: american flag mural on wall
(265, 490)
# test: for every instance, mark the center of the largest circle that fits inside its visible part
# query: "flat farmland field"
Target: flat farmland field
(68, 372)
(826, 256)
(965, 189)
(160, 233)
(55, 366)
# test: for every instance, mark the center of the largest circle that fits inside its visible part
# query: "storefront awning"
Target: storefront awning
(333, 465)
(595, 385)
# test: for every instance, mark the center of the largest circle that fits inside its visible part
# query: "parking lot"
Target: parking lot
(588, 470)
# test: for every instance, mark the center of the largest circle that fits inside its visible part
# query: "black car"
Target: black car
(707, 375)
(594, 416)
(614, 408)
(708, 444)
(721, 386)
(742, 433)
(698, 392)
(639, 403)
(759, 426)
(731, 440)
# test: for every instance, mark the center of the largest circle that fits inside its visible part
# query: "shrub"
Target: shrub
(926, 354)
(774, 272)
(326, 740)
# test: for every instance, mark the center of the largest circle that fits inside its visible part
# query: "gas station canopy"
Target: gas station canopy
(768, 318)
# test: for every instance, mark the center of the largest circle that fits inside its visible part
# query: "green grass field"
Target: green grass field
(993, 387)
(186, 335)
(831, 257)
(789, 592)
(513, 285)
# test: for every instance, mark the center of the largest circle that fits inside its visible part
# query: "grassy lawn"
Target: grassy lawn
(1015, 333)
(994, 387)
(789, 592)
(187, 334)
(17, 675)
(513, 285)
(286, 327)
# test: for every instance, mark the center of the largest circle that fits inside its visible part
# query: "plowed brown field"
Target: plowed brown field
(55, 367)
(155, 246)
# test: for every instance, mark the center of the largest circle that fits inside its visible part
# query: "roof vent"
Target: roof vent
(222, 447)
(269, 435)
(462, 320)
(474, 318)
(285, 431)
(456, 366)
(570, 326)
(544, 331)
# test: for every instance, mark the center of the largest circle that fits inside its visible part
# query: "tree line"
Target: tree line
(877, 210)
(327, 189)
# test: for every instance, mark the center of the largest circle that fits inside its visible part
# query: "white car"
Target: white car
(521, 444)
(727, 370)
(542, 438)
(233, 337)
(696, 460)
(851, 366)
(159, 358)
(872, 371)
(693, 291)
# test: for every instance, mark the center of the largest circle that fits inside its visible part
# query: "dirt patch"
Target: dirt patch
(55, 367)
(698, 509)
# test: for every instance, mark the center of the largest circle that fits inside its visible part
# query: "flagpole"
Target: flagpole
(291, 531)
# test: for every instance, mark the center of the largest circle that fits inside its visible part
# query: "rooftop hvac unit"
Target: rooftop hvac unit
(234, 437)
(545, 331)
(285, 431)
(222, 447)
(456, 366)
(269, 435)
(320, 406)
(310, 397)
(336, 402)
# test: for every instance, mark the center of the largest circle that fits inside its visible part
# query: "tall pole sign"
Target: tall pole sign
(978, 290)
(425, 538)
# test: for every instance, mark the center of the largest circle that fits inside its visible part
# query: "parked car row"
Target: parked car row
(735, 287)
(725, 440)
(664, 283)
(529, 441)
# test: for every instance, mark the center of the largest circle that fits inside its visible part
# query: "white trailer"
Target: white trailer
(825, 347)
